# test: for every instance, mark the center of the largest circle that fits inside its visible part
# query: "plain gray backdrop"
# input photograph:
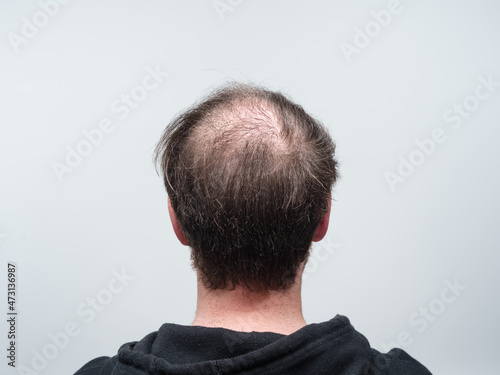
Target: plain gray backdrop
(408, 90)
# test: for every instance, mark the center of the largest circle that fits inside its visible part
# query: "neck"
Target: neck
(241, 310)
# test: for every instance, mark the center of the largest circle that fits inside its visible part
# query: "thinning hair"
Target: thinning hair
(249, 174)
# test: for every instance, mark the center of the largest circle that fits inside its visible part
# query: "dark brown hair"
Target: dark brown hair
(249, 175)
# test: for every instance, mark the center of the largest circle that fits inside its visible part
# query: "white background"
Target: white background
(388, 253)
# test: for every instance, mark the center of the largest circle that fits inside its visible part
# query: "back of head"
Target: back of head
(249, 175)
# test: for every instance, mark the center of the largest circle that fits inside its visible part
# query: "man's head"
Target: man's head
(249, 175)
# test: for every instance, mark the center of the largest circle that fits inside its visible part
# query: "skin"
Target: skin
(241, 310)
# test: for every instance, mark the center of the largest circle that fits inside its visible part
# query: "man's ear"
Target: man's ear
(175, 225)
(323, 224)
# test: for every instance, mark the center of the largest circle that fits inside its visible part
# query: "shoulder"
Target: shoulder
(98, 366)
(396, 361)
(106, 365)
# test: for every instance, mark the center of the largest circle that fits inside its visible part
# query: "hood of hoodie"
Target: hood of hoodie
(331, 347)
(324, 348)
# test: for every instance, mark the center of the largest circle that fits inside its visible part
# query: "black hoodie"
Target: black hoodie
(332, 347)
